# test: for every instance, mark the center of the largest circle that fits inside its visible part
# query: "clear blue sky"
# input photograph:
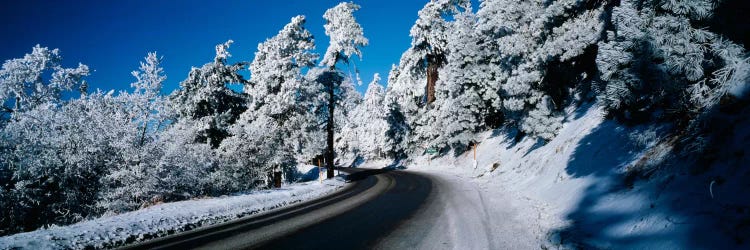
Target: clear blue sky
(112, 37)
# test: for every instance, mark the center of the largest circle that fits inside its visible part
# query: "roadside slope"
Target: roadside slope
(585, 188)
(165, 219)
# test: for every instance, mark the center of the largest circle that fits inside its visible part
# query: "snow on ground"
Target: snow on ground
(512, 196)
(167, 218)
(567, 193)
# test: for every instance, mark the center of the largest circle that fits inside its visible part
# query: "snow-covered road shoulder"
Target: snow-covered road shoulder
(165, 219)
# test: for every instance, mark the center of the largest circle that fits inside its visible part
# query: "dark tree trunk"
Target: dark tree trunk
(432, 76)
(329, 129)
(433, 64)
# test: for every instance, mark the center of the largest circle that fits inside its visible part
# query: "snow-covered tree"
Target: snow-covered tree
(58, 154)
(149, 106)
(37, 78)
(205, 97)
(50, 156)
(505, 29)
(411, 84)
(149, 174)
(371, 121)
(430, 38)
(246, 157)
(656, 57)
(530, 46)
(347, 36)
(397, 132)
(346, 120)
(459, 108)
(346, 39)
(281, 127)
(541, 121)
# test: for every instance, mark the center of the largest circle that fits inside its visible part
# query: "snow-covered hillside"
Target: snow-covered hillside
(577, 190)
(164, 219)
(530, 81)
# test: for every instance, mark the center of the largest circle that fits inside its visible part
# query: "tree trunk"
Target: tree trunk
(329, 129)
(431, 79)
(433, 63)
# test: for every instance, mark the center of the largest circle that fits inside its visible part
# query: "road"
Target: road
(359, 217)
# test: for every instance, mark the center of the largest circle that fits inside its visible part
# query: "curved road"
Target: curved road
(358, 217)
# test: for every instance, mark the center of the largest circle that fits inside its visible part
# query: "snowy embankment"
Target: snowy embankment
(167, 218)
(527, 179)
(574, 191)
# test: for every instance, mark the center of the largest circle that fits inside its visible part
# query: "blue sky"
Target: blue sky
(112, 37)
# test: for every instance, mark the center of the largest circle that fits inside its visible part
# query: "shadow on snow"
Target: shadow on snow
(670, 209)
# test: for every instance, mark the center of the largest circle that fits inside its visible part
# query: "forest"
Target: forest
(68, 153)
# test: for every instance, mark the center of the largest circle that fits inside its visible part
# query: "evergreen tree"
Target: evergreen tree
(654, 57)
(346, 120)
(430, 38)
(406, 90)
(460, 108)
(537, 50)
(280, 127)
(204, 97)
(412, 84)
(397, 132)
(372, 120)
(346, 39)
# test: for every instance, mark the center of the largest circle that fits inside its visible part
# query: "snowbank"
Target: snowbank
(164, 219)
(574, 191)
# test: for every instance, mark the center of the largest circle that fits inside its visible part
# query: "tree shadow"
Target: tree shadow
(358, 161)
(538, 144)
(310, 175)
(583, 108)
(396, 164)
(361, 174)
(601, 151)
(671, 209)
(509, 133)
(458, 150)
(513, 135)
(498, 132)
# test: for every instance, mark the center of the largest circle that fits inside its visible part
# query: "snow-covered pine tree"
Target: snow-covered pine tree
(430, 37)
(504, 27)
(372, 120)
(205, 97)
(281, 121)
(412, 84)
(406, 90)
(656, 57)
(401, 99)
(397, 131)
(538, 49)
(542, 120)
(459, 107)
(347, 117)
(346, 39)
(509, 31)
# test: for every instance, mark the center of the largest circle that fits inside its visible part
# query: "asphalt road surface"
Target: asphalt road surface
(358, 217)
